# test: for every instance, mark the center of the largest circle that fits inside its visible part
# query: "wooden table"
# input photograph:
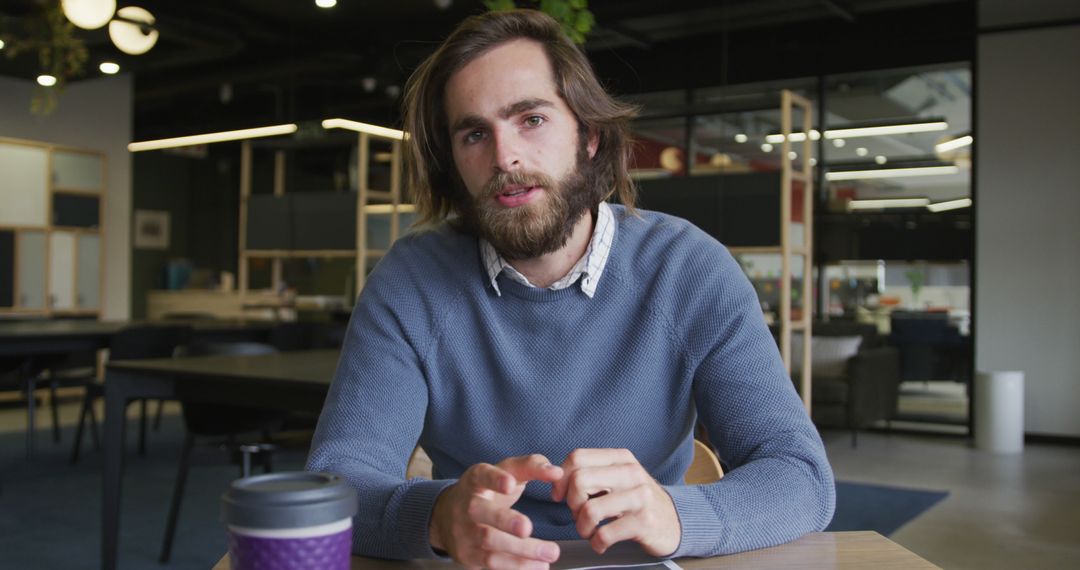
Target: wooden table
(288, 380)
(817, 551)
(37, 339)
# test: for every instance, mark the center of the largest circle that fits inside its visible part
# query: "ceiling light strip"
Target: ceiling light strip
(886, 130)
(954, 144)
(854, 132)
(888, 203)
(363, 128)
(891, 173)
(213, 137)
(950, 205)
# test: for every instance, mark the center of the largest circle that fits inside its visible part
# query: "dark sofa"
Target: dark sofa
(858, 390)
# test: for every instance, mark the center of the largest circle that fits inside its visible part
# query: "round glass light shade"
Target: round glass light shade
(89, 14)
(130, 38)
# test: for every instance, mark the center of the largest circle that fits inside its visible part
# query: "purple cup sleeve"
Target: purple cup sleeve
(321, 552)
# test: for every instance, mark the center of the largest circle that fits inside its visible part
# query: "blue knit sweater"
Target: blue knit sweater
(674, 334)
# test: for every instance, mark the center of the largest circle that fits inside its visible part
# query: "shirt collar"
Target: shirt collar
(589, 268)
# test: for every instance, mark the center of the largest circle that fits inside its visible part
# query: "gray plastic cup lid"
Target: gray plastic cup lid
(288, 500)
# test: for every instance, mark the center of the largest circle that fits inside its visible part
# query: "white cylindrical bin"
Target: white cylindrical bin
(999, 411)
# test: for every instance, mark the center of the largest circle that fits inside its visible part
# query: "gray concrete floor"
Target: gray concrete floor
(1003, 511)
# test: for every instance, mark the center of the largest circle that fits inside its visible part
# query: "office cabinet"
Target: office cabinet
(77, 171)
(24, 185)
(61, 268)
(51, 229)
(87, 276)
(7, 268)
(31, 270)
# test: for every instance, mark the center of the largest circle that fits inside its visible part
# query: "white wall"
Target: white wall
(1028, 217)
(94, 114)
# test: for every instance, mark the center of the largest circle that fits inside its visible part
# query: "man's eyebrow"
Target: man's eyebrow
(475, 121)
(522, 106)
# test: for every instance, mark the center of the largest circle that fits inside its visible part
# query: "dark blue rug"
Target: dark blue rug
(50, 511)
(860, 506)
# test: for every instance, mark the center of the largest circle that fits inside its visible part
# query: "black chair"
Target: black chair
(220, 425)
(132, 343)
(29, 373)
(306, 335)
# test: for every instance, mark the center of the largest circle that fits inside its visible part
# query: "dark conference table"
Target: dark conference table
(287, 380)
(46, 338)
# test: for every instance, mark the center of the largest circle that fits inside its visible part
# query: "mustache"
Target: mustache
(501, 180)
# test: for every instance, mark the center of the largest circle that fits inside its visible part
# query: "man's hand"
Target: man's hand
(610, 484)
(473, 522)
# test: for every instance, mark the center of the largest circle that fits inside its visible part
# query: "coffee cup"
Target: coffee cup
(293, 520)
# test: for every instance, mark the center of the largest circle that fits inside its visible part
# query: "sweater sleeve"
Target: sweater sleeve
(370, 423)
(779, 485)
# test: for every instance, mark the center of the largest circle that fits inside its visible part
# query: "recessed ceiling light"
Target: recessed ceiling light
(792, 155)
(813, 161)
(861, 151)
(839, 143)
(741, 138)
(109, 68)
(46, 80)
(766, 147)
(880, 159)
(1, 44)
(326, 3)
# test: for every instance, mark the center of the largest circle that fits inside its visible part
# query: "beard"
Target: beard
(541, 226)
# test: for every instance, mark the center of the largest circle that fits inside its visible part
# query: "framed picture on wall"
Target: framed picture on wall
(151, 229)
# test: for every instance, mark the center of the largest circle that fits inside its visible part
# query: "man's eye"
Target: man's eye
(473, 136)
(534, 121)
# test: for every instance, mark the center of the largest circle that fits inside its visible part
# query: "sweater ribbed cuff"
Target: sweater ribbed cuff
(414, 517)
(701, 528)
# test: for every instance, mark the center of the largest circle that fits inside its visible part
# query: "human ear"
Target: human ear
(593, 142)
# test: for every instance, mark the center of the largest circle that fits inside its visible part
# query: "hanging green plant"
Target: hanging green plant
(60, 53)
(574, 15)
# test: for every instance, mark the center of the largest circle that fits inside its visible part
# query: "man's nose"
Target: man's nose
(507, 150)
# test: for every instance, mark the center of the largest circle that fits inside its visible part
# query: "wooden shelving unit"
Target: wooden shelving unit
(390, 202)
(788, 102)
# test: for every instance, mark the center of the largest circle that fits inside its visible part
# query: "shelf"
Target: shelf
(380, 195)
(389, 208)
(287, 253)
(799, 176)
(765, 249)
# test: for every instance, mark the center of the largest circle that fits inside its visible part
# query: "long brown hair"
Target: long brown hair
(429, 159)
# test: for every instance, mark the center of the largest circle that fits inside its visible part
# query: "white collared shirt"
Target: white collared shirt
(589, 268)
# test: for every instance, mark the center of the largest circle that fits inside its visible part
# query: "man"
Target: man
(552, 353)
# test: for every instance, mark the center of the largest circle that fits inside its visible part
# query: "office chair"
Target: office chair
(132, 343)
(216, 422)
